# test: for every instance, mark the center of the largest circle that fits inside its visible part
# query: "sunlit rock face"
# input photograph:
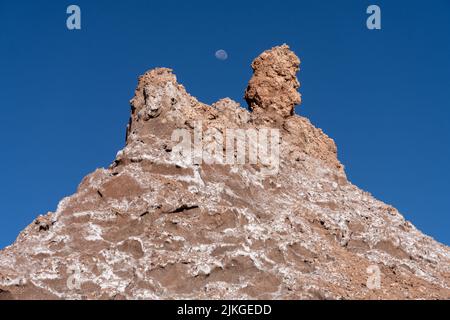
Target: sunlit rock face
(272, 91)
(152, 226)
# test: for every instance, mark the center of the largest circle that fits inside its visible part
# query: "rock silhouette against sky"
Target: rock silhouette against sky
(150, 228)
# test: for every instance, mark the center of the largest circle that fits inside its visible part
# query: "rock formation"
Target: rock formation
(153, 227)
(272, 92)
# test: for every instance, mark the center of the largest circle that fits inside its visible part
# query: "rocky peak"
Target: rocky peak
(272, 91)
(153, 227)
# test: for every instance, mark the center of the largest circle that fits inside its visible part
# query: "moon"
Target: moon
(221, 54)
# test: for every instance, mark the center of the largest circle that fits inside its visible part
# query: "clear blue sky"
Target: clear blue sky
(384, 96)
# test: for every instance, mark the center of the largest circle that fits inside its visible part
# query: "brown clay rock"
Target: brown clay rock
(272, 91)
(150, 227)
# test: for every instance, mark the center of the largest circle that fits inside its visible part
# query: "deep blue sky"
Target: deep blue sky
(383, 96)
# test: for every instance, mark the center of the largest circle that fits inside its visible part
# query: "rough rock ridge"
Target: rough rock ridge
(152, 227)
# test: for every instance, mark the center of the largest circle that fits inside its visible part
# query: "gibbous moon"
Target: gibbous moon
(221, 54)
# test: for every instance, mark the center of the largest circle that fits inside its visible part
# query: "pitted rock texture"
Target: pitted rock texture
(272, 91)
(149, 227)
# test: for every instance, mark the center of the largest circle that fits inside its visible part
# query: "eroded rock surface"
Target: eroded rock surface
(149, 227)
(272, 91)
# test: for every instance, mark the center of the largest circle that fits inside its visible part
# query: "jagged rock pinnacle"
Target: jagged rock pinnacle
(272, 91)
